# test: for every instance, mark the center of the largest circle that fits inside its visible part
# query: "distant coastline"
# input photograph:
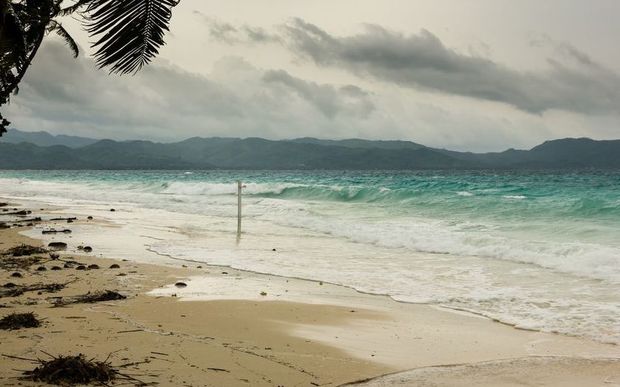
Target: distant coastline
(41, 150)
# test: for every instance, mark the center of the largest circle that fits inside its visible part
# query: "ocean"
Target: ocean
(537, 250)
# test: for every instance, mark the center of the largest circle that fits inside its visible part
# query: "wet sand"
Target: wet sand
(315, 334)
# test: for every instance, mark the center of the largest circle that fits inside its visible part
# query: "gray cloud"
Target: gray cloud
(422, 61)
(328, 99)
(228, 33)
(164, 102)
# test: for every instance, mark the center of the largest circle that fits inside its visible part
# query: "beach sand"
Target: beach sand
(316, 334)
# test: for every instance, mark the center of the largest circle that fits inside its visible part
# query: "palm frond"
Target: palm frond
(56, 27)
(70, 10)
(131, 31)
(12, 36)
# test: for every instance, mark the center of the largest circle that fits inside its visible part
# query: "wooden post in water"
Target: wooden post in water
(239, 188)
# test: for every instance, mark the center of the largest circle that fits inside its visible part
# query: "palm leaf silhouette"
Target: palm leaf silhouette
(131, 31)
(56, 27)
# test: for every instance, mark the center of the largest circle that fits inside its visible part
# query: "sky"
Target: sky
(476, 75)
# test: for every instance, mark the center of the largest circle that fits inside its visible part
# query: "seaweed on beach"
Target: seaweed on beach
(76, 369)
(14, 263)
(90, 298)
(24, 250)
(16, 321)
(71, 370)
(18, 290)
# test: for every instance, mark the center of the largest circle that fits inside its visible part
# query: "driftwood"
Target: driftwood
(90, 298)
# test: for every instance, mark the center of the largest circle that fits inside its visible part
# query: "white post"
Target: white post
(239, 187)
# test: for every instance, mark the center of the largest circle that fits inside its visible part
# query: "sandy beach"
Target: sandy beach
(270, 331)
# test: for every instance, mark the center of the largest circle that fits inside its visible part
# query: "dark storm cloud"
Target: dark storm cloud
(327, 98)
(422, 61)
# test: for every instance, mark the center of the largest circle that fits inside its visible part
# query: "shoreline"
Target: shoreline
(323, 342)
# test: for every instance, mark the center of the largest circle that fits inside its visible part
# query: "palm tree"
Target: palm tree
(128, 34)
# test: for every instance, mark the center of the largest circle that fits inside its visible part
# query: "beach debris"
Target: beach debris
(19, 320)
(114, 266)
(23, 263)
(93, 267)
(121, 275)
(90, 298)
(18, 290)
(87, 249)
(69, 220)
(225, 272)
(16, 275)
(61, 219)
(24, 250)
(57, 245)
(4, 226)
(37, 219)
(72, 370)
(263, 294)
(54, 231)
(180, 285)
(17, 213)
(9, 285)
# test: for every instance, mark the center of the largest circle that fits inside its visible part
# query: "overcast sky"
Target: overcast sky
(474, 75)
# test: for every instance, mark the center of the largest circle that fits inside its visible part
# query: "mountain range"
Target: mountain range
(41, 150)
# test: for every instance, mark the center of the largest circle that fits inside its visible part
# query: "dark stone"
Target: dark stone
(112, 210)
(93, 267)
(90, 218)
(80, 267)
(17, 275)
(56, 268)
(87, 249)
(41, 268)
(114, 266)
(57, 245)
(9, 285)
(180, 285)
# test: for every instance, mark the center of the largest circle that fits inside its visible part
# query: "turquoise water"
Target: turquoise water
(537, 249)
(571, 206)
